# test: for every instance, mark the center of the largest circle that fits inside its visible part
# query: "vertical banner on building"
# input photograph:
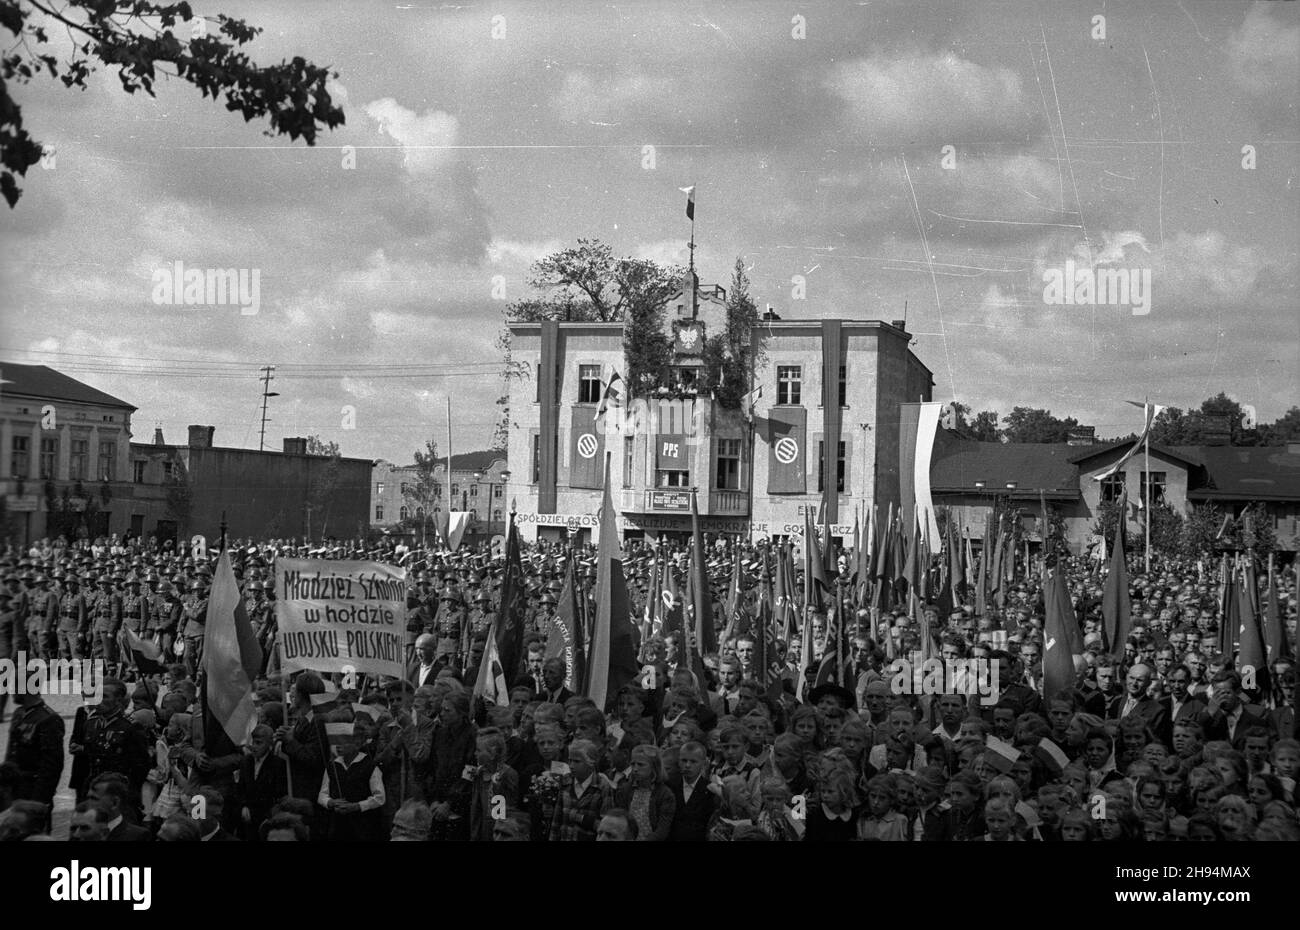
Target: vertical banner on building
(786, 438)
(831, 418)
(670, 452)
(550, 412)
(586, 451)
(917, 425)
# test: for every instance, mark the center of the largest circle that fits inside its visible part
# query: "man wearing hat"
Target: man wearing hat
(106, 617)
(41, 613)
(452, 622)
(164, 610)
(194, 613)
(73, 619)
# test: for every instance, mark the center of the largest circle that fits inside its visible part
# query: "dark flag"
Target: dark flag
(1252, 654)
(1116, 609)
(1274, 631)
(565, 638)
(1058, 655)
(612, 661)
(705, 635)
(510, 613)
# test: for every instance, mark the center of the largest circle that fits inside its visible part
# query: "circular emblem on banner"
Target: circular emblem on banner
(586, 445)
(787, 450)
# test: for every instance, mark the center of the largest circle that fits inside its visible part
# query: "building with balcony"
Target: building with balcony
(754, 475)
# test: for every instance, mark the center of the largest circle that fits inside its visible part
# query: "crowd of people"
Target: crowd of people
(1162, 738)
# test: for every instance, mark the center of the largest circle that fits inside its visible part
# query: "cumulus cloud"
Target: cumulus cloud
(425, 138)
(932, 98)
(1264, 54)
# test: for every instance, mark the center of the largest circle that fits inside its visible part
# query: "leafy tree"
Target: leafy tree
(1199, 531)
(501, 434)
(1281, 430)
(1168, 530)
(587, 283)
(984, 428)
(422, 493)
(140, 39)
(1109, 515)
(1255, 530)
(318, 446)
(1028, 424)
(730, 355)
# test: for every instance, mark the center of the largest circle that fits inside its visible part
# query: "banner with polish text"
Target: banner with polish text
(341, 616)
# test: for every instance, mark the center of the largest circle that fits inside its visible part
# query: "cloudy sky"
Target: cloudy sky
(824, 156)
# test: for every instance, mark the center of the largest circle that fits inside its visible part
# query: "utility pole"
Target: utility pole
(267, 393)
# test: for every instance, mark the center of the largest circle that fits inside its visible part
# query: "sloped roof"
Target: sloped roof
(464, 461)
(1189, 455)
(1248, 473)
(958, 463)
(46, 383)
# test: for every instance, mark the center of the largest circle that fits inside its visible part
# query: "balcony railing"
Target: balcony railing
(729, 503)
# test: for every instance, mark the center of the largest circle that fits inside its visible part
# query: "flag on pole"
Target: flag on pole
(1116, 608)
(509, 625)
(1058, 656)
(750, 402)
(690, 201)
(146, 655)
(1251, 651)
(705, 636)
(491, 682)
(612, 659)
(612, 396)
(1274, 631)
(1149, 414)
(232, 656)
(565, 639)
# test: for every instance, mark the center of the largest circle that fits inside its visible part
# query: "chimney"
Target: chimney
(158, 436)
(295, 446)
(201, 437)
(899, 324)
(1082, 436)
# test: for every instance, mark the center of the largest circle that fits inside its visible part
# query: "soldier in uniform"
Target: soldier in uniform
(164, 610)
(135, 617)
(20, 603)
(36, 748)
(105, 608)
(41, 616)
(112, 742)
(194, 613)
(482, 616)
(451, 624)
(73, 619)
